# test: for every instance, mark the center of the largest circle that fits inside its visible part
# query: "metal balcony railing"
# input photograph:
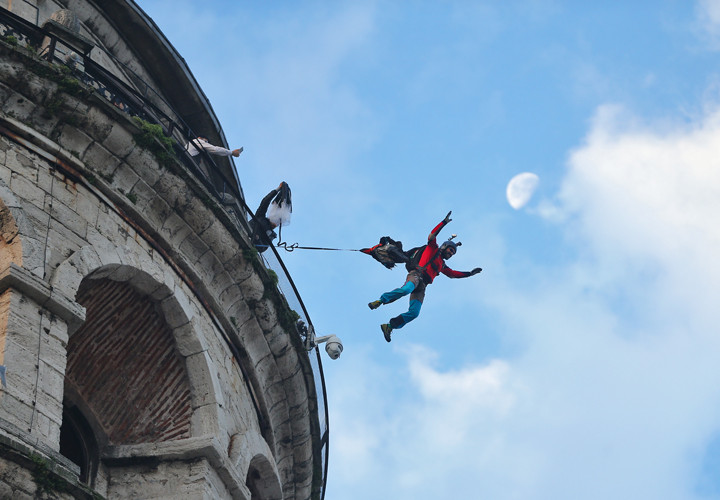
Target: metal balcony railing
(57, 45)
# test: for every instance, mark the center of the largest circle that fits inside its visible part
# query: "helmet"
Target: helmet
(449, 244)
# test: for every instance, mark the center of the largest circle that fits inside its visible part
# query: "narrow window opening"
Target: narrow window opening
(78, 443)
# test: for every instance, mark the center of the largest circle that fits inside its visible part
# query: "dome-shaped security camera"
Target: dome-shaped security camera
(333, 347)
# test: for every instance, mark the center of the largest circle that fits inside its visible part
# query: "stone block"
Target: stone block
(107, 225)
(49, 404)
(125, 178)
(106, 251)
(53, 361)
(119, 141)
(25, 189)
(170, 188)
(76, 109)
(73, 140)
(166, 287)
(267, 318)
(146, 283)
(157, 212)
(40, 90)
(194, 212)
(21, 374)
(173, 313)
(65, 191)
(241, 313)
(235, 305)
(5, 490)
(44, 122)
(123, 273)
(220, 240)
(5, 91)
(193, 248)
(5, 173)
(239, 270)
(16, 411)
(212, 268)
(204, 421)
(69, 219)
(231, 294)
(144, 196)
(190, 338)
(19, 107)
(87, 205)
(47, 430)
(25, 163)
(175, 230)
(46, 175)
(204, 386)
(144, 164)
(101, 161)
(37, 217)
(288, 365)
(252, 287)
(57, 337)
(23, 323)
(97, 124)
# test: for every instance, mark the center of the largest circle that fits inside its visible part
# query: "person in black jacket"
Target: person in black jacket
(263, 227)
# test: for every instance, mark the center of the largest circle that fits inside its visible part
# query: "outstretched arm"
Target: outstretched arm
(452, 273)
(433, 234)
(216, 150)
(265, 203)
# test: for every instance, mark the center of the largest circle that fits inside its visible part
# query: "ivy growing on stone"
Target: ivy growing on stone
(152, 138)
(45, 480)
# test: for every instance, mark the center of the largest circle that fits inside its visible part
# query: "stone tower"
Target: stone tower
(146, 349)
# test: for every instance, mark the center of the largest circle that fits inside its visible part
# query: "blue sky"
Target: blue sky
(582, 362)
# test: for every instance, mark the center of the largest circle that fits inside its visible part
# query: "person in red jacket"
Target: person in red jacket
(431, 263)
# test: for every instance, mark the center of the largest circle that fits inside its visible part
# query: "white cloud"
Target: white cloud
(613, 393)
(708, 17)
(409, 429)
(645, 203)
(455, 401)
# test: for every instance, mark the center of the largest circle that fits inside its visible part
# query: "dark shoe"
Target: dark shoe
(386, 329)
(374, 304)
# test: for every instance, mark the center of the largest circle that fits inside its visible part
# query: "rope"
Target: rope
(294, 246)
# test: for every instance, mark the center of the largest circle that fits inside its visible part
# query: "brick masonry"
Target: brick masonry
(138, 387)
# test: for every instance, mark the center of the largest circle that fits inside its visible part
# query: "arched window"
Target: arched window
(262, 481)
(78, 443)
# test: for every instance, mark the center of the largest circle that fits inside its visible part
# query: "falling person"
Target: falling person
(423, 269)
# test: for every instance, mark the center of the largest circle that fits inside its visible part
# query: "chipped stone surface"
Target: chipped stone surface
(87, 204)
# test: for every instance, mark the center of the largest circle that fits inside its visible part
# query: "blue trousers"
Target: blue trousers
(415, 302)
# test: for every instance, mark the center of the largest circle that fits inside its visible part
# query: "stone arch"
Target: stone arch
(124, 364)
(134, 276)
(19, 243)
(262, 479)
(258, 467)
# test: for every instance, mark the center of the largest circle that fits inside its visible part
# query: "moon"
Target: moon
(521, 188)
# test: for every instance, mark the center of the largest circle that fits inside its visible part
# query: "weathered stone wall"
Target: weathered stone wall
(28, 470)
(89, 204)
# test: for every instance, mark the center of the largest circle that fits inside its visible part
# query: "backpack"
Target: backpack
(413, 256)
(388, 252)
